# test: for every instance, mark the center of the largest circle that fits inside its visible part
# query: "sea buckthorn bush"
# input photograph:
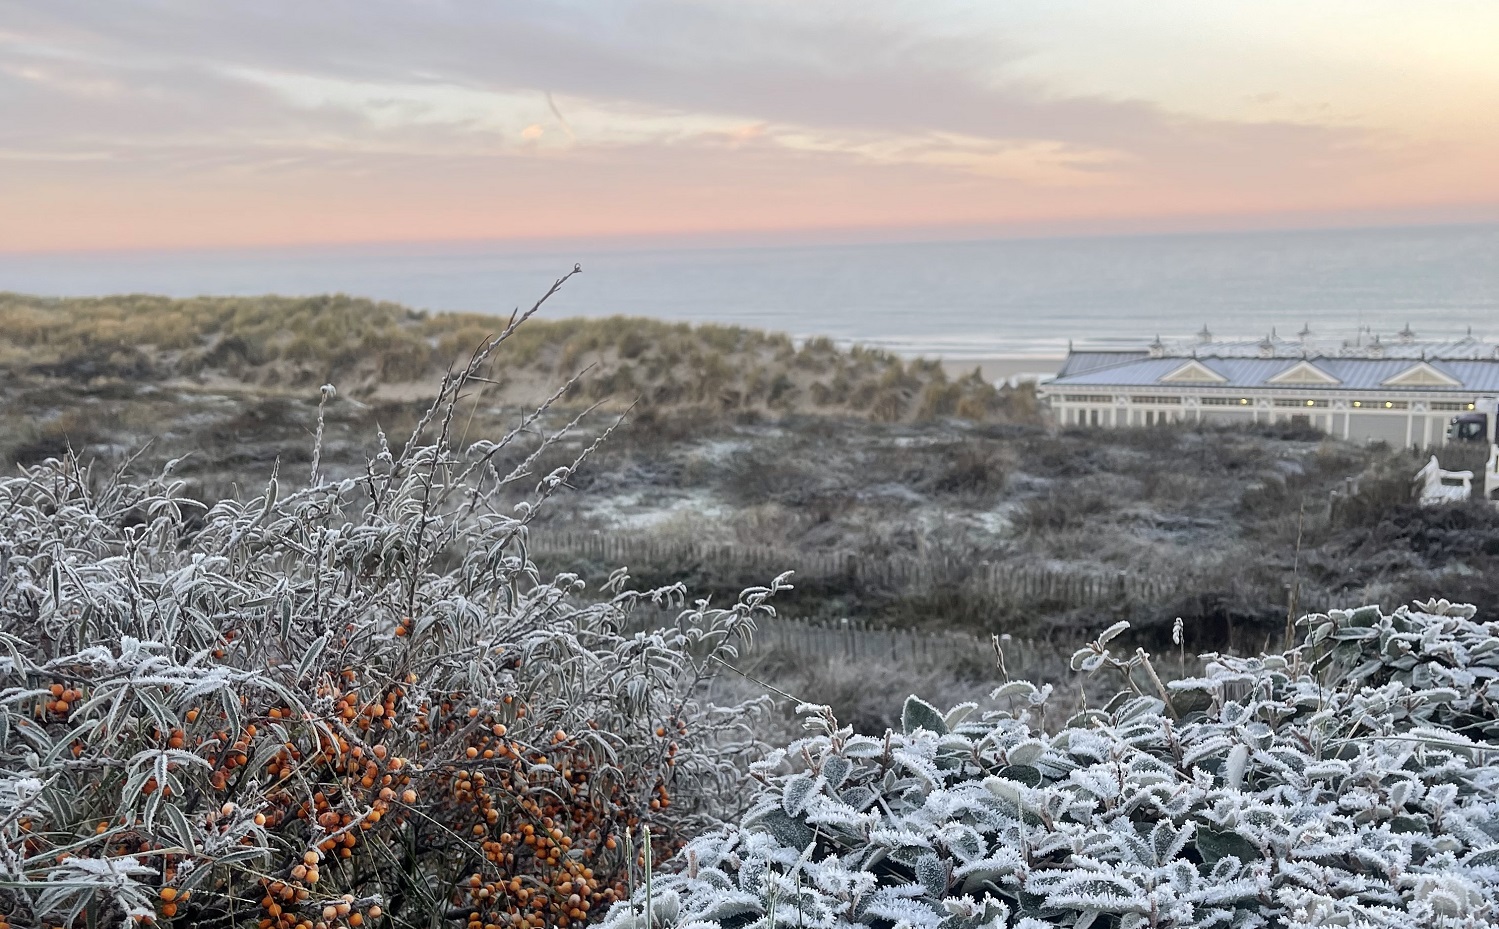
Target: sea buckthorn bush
(1350, 781)
(341, 702)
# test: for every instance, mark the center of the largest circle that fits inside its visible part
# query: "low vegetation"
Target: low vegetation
(340, 702)
(293, 681)
(1346, 782)
(1240, 526)
(376, 351)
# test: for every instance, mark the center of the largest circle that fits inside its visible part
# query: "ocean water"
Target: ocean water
(968, 299)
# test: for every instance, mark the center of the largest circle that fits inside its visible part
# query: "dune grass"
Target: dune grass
(368, 347)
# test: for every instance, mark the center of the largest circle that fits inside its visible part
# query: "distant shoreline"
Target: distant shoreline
(982, 300)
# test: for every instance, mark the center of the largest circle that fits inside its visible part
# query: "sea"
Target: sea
(1014, 298)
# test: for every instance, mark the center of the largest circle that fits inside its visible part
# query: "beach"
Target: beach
(995, 370)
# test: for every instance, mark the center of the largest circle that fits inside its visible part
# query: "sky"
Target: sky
(183, 124)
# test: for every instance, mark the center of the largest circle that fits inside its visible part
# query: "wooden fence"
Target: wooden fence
(854, 640)
(1013, 582)
(859, 640)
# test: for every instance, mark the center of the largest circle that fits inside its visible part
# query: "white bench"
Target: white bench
(1491, 476)
(1434, 486)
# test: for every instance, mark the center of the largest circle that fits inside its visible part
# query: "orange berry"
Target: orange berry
(168, 894)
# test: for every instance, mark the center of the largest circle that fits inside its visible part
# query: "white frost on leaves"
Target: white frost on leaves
(1352, 782)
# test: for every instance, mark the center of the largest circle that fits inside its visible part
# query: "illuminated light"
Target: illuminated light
(1358, 403)
(1389, 404)
(1471, 406)
(1244, 401)
(1311, 403)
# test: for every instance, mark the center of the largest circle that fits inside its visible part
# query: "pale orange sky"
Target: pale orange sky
(183, 124)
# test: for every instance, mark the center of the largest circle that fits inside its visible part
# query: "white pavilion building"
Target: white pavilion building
(1403, 390)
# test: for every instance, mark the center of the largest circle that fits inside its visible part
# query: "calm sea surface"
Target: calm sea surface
(1001, 297)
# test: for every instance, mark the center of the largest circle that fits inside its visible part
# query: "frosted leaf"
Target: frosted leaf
(1088, 890)
(798, 790)
(835, 770)
(1025, 752)
(919, 766)
(918, 714)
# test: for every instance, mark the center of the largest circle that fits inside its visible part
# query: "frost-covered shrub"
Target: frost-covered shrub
(1348, 782)
(338, 702)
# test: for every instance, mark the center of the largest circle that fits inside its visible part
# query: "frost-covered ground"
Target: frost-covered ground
(1221, 511)
(1236, 516)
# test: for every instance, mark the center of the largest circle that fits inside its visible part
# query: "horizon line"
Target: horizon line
(775, 239)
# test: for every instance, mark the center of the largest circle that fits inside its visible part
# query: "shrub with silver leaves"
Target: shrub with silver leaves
(1347, 782)
(340, 703)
